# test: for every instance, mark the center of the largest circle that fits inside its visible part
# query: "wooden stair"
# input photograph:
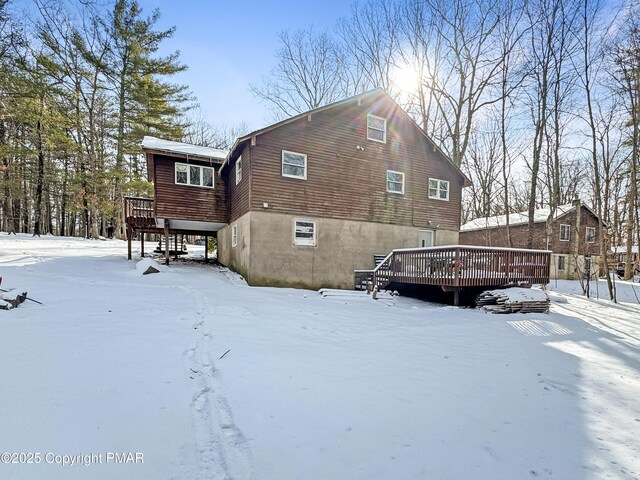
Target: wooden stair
(177, 245)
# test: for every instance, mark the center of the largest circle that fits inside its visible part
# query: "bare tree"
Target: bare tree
(309, 73)
(627, 59)
(370, 40)
(458, 46)
(199, 131)
(549, 26)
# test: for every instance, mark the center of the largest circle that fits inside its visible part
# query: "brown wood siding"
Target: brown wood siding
(497, 237)
(185, 202)
(345, 182)
(238, 195)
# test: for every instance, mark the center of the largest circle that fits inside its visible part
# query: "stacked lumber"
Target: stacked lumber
(514, 300)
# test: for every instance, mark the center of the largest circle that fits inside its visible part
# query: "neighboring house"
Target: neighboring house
(572, 237)
(308, 200)
(618, 259)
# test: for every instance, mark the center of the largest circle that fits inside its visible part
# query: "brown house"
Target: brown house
(316, 196)
(572, 236)
(308, 200)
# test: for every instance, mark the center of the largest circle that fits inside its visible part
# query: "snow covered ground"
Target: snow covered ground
(312, 386)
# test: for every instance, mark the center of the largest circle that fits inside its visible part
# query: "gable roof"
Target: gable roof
(377, 91)
(520, 218)
(168, 146)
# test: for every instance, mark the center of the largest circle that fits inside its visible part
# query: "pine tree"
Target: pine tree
(145, 102)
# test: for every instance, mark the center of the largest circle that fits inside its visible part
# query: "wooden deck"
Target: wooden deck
(140, 218)
(139, 212)
(458, 266)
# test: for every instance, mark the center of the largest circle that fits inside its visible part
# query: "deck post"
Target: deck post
(175, 246)
(166, 241)
(206, 248)
(456, 296)
(129, 235)
(142, 244)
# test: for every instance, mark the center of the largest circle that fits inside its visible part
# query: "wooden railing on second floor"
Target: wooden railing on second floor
(461, 266)
(139, 211)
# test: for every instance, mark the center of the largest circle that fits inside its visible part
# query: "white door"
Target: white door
(426, 238)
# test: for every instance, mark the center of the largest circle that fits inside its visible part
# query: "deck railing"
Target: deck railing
(461, 266)
(139, 211)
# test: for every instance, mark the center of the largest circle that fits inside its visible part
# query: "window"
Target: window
(590, 236)
(181, 173)
(438, 189)
(239, 169)
(195, 175)
(304, 232)
(561, 260)
(395, 182)
(587, 266)
(376, 128)
(234, 235)
(565, 232)
(294, 165)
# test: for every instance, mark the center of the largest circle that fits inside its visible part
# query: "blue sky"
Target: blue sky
(227, 45)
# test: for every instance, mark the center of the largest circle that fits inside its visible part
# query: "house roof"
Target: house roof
(168, 146)
(623, 249)
(377, 91)
(521, 218)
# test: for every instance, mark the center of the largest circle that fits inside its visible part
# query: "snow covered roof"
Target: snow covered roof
(623, 249)
(520, 218)
(153, 143)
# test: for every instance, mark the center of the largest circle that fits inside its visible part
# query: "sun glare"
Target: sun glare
(406, 78)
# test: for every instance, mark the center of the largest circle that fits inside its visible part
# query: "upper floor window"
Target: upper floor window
(438, 189)
(376, 128)
(239, 169)
(590, 236)
(565, 232)
(294, 165)
(195, 175)
(304, 232)
(395, 182)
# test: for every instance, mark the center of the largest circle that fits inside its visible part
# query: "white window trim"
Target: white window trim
(586, 235)
(234, 235)
(564, 263)
(437, 196)
(298, 243)
(188, 184)
(304, 177)
(560, 233)
(395, 191)
(384, 131)
(239, 170)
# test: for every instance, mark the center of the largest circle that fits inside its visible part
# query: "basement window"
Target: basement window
(234, 235)
(194, 175)
(304, 232)
(395, 182)
(561, 260)
(590, 236)
(565, 232)
(438, 189)
(376, 128)
(294, 165)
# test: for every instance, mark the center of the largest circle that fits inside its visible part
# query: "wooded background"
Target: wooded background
(537, 101)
